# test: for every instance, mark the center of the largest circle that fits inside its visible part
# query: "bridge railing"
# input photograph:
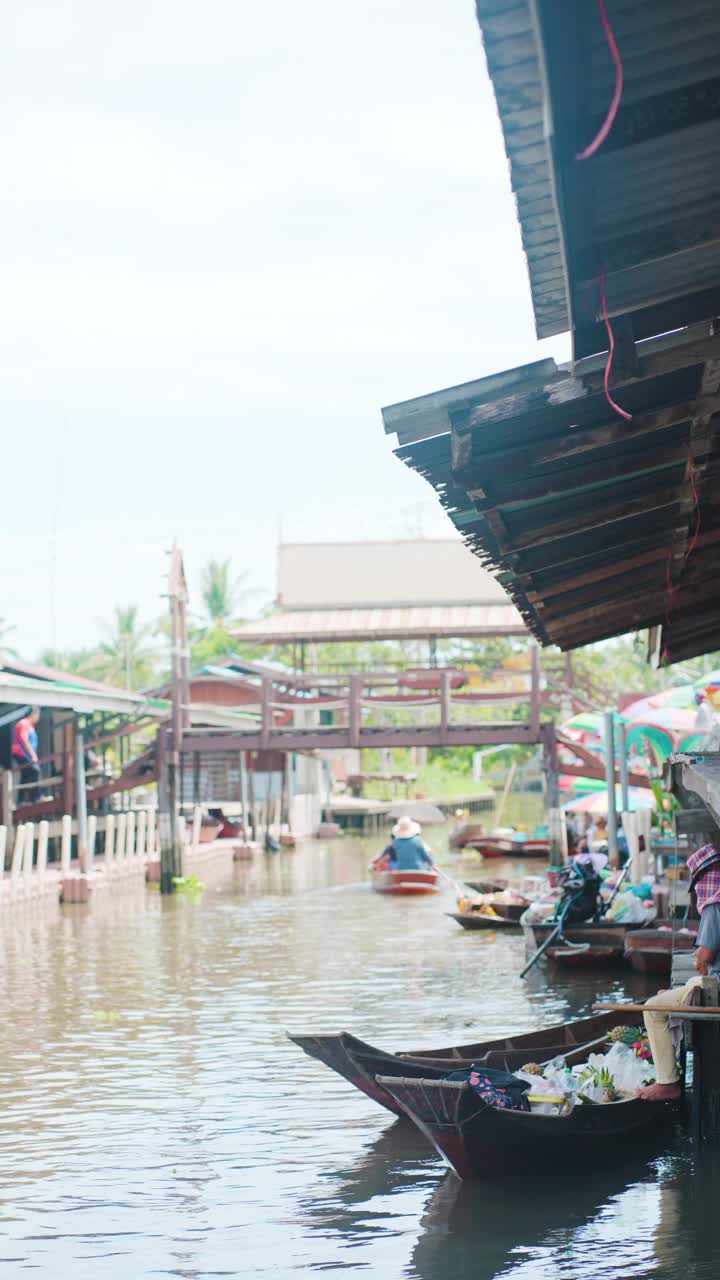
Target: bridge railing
(365, 709)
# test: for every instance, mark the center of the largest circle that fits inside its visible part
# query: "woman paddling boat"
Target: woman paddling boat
(405, 865)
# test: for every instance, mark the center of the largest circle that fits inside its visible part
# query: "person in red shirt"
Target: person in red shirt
(25, 755)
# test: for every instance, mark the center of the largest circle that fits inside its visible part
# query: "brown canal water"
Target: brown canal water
(157, 1122)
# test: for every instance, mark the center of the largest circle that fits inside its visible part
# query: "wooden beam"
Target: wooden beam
(509, 493)
(573, 527)
(614, 569)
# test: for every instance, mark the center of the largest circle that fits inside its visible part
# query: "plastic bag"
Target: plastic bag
(629, 909)
(628, 1071)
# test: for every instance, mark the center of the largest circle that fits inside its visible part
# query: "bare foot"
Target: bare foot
(660, 1093)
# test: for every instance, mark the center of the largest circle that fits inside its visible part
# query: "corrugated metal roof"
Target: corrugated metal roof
(18, 690)
(643, 209)
(384, 624)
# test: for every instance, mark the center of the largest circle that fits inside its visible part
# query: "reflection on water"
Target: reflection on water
(157, 1122)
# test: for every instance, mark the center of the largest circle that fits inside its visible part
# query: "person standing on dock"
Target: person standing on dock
(704, 868)
(25, 754)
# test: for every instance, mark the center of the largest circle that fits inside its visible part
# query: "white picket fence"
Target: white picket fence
(130, 841)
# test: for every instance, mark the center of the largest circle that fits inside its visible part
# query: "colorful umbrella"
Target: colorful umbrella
(591, 722)
(638, 798)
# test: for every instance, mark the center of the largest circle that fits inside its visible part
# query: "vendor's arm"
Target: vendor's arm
(708, 939)
(427, 856)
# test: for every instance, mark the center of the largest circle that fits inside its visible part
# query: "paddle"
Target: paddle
(460, 891)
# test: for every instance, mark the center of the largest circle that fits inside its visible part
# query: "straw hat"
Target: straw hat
(405, 827)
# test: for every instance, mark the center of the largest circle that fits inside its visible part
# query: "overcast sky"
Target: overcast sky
(230, 231)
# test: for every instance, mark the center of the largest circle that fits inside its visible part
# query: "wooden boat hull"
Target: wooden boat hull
(476, 920)
(359, 1063)
(587, 958)
(651, 950)
(480, 1141)
(495, 847)
(404, 882)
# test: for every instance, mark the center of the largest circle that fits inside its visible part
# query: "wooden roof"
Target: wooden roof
(594, 525)
(642, 210)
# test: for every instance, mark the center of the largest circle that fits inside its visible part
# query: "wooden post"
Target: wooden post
(91, 839)
(81, 800)
(65, 844)
(242, 762)
(169, 818)
(535, 689)
(556, 826)
(355, 709)
(3, 847)
(266, 709)
(42, 848)
(445, 694)
(68, 770)
(251, 801)
(610, 784)
(706, 1075)
(624, 780)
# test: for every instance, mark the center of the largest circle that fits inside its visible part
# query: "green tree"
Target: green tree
(221, 594)
(5, 629)
(125, 657)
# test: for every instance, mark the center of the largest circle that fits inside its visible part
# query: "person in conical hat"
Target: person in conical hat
(408, 850)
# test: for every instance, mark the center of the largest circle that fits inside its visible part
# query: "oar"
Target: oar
(551, 937)
(460, 891)
(616, 890)
(542, 949)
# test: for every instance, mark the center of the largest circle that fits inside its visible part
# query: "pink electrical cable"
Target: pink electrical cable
(609, 120)
(691, 472)
(611, 351)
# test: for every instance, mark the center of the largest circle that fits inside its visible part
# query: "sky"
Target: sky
(230, 232)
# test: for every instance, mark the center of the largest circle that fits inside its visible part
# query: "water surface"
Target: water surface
(157, 1122)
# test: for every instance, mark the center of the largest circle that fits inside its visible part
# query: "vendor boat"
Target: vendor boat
(477, 919)
(407, 882)
(593, 934)
(652, 950)
(359, 1062)
(509, 847)
(479, 1140)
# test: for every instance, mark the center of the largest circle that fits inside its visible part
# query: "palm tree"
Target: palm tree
(219, 592)
(124, 657)
(5, 628)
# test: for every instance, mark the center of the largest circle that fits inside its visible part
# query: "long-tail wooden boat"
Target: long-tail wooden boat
(404, 881)
(482, 1141)
(597, 933)
(506, 847)
(480, 920)
(594, 944)
(651, 950)
(359, 1062)
(586, 957)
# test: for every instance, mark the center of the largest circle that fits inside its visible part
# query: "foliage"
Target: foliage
(5, 629)
(219, 592)
(125, 656)
(191, 887)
